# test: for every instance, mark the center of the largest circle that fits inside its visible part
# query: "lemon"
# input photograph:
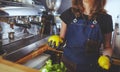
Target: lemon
(104, 62)
(56, 39)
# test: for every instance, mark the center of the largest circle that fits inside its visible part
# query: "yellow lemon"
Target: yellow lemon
(56, 39)
(104, 62)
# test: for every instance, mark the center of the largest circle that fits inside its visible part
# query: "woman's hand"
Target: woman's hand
(54, 41)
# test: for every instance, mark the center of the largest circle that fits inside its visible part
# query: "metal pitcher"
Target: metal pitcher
(53, 5)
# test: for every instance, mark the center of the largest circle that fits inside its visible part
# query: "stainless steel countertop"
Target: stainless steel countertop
(20, 48)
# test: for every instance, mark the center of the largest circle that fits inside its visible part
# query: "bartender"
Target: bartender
(85, 27)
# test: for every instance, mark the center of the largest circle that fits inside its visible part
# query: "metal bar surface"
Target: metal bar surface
(21, 52)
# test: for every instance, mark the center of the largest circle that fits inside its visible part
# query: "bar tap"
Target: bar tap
(12, 23)
(23, 22)
(35, 20)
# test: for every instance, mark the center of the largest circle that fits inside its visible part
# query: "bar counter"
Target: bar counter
(8, 66)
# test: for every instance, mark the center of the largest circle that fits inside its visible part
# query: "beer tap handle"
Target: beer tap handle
(25, 31)
(23, 25)
(35, 23)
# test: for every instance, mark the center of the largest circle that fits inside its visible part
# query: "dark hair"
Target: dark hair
(98, 7)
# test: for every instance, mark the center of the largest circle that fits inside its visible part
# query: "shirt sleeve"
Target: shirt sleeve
(106, 24)
(67, 16)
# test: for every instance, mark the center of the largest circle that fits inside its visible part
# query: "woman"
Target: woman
(88, 10)
(86, 26)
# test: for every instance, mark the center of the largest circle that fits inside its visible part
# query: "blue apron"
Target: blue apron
(77, 35)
